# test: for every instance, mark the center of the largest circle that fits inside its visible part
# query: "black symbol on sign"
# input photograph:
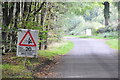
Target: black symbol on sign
(29, 41)
(28, 49)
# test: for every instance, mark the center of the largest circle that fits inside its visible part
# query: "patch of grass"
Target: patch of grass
(94, 37)
(13, 66)
(0, 70)
(60, 49)
(72, 36)
(113, 43)
(15, 71)
(0, 66)
(83, 36)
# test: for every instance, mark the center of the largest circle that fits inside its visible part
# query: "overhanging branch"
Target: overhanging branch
(39, 8)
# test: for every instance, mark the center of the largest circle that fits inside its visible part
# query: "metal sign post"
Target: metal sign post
(27, 44)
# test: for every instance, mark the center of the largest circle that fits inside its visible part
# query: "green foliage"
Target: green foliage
(33, 25)
(93, 18)
(74, 25)
(78, 8)
(109, 34)
(93, 25)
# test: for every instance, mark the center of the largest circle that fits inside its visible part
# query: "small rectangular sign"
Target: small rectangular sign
(27, 43)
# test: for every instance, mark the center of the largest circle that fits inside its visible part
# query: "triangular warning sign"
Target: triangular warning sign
(27, 40)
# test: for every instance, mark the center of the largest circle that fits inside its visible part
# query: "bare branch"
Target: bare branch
(39, 8)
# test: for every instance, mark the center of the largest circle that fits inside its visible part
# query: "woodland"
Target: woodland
(53, 20)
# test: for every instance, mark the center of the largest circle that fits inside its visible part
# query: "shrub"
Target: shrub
(109, 34)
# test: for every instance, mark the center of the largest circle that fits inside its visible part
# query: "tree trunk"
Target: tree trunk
(4, 23)
(106, 13)
(30, 5)
(17, 14)
(46, 40)
(11, 21)
(25, 13)
(46, 27)
(11, 9)
(14, 33)
(42, 24)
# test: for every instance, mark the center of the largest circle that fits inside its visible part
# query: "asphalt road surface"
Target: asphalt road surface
(90, 58)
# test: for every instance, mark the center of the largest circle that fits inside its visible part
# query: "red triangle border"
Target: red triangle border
(28, 32)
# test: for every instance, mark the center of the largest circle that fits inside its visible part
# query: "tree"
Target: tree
(106, 13)
(28, 15)
(7, 9)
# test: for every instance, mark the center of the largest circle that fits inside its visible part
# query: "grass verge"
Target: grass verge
(13, 66)
(57, 49)
(72, 36)
(113, 43)
(79, 36)
(94, 37)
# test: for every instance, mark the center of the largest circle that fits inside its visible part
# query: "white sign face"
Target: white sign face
(27, 43)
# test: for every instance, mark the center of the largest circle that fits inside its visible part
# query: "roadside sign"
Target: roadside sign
(27, 43)
(88, 32)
